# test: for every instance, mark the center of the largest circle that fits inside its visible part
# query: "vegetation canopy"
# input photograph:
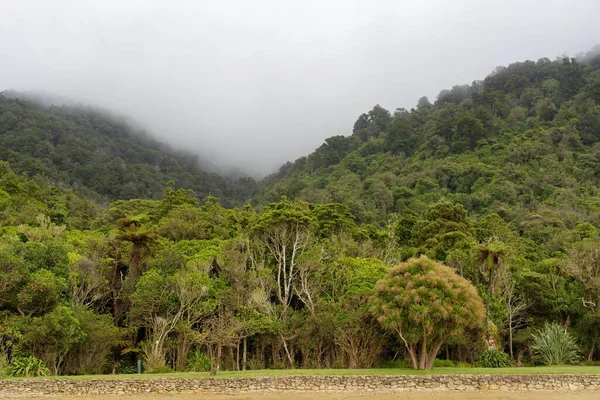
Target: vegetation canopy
(114, 247)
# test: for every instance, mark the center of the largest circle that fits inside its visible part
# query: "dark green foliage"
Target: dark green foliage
(160, 370)
(493, 358)
(443, 363)
(521, 137)
(101, 155)
(394, 364)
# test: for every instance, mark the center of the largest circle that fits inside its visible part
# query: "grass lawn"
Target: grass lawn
(565, 369)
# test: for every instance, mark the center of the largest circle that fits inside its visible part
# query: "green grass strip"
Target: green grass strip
(566, 369)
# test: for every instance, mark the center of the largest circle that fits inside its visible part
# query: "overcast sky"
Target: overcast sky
(257, 83)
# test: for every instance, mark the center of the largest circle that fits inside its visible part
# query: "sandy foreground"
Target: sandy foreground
(346, 396)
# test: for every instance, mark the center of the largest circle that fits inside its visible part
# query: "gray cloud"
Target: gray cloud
(256, 83)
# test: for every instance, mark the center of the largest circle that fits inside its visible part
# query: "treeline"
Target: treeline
(185, 286)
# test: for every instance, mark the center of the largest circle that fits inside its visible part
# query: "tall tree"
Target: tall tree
(286, 230)
(491, 256)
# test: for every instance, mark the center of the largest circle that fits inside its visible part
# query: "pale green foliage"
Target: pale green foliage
(154, 356)
(554, 345)
(28, 367)
(361, 274)
(198, 362)
(41, 293)
(45, 231)
(493, 358)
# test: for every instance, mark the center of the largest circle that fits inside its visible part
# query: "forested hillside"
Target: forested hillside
(101, 155)
(522, 145)
(491, 194)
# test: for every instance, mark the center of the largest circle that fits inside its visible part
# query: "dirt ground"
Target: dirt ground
(346, 396)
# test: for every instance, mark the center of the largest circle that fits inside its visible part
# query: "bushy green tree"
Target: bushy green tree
(425, 303)
(51, 337)
(41, 293)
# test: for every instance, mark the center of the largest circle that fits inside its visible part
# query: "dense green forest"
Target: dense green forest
(101, 155)
(488, 199)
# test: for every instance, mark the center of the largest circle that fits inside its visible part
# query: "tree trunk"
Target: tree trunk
(487, 307)
(287, 353)
(230, 356)
(244, 356)
(487, 303)
(275, 352)
(423, 354)
(510, 337)
(431, 356)
(183, 348)
(217, 365)
(412, 351)
(237, 356)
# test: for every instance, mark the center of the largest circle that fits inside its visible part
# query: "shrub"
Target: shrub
(493, 358)
(162, 369)
(3, 365)
(399, 363)
(443, 363)
(198, 362)
(591, 363)
(554, 345)
(462, 364)
(27, 366)
(122, 367)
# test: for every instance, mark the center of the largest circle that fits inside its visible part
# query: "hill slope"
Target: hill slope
(524, 143)
(101, 155)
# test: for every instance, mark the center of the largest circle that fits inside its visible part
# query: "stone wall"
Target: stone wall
(14, 388)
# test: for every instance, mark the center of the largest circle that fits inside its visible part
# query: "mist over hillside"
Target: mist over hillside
(507, 135)
(101, 154)
(252, 89)
(204, 159)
